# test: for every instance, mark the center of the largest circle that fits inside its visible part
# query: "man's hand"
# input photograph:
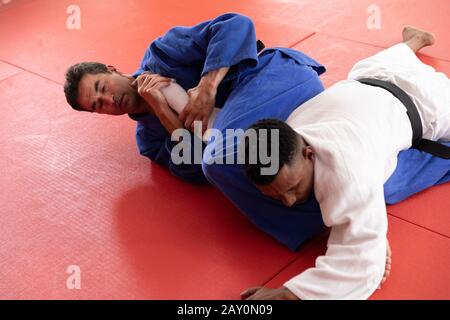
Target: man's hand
(202, 99)
(262, 293)
(148, 86)
(201, 103)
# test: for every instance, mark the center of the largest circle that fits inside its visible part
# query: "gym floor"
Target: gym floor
(75, 192)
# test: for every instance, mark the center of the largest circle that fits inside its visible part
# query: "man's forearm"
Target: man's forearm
(168, 118)
(211, 80)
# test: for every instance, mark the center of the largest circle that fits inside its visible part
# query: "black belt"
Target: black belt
(425, 145)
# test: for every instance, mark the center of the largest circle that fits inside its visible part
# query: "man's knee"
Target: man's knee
(211, 167)
(214, 157)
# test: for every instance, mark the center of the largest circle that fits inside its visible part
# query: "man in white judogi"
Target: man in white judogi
(343, 146)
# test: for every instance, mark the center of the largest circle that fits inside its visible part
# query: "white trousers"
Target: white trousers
(429, 90)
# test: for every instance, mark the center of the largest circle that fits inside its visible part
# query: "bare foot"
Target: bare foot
(387, 267)
(410, 33)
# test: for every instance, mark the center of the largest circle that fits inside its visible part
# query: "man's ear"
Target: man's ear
(308, 153)
(112, 68)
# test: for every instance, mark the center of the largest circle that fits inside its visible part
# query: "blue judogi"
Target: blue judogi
(269, 85)
(186, 54)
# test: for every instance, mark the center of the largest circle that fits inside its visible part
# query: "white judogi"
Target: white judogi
(357, 131)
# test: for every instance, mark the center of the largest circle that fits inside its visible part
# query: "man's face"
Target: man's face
(108, 93)
(293, 183)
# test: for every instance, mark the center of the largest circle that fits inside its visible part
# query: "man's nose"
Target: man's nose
(106, 99)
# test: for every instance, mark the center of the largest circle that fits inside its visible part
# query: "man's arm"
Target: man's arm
(231, 39)
(199, 58)
(211, 80)
(352, 204)
(155, 129)
(283, 293)
(154, 143)
(149, 88)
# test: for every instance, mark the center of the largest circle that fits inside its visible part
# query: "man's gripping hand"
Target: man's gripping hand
(201, 103)
(148, 86)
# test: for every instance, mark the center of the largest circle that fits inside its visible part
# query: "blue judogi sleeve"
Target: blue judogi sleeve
(154, 143)
(186, 54)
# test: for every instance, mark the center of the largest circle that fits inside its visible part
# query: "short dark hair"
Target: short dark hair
(73, 77)
(288, 147)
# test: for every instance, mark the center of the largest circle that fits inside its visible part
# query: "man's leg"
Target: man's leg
(433, 87)
(417, 39)
(399, 59)
(416, 170)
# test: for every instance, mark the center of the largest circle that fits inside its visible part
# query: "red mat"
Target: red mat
(7, 70)
(74, 190)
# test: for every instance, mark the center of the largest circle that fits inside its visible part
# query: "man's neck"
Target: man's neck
(144, 107)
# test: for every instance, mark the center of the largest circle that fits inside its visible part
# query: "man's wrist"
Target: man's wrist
(211, 80)
(208, 86)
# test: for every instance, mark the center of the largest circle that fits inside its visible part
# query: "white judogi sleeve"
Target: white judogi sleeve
(352, 202)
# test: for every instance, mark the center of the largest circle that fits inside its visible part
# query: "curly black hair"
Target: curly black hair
(289, 144)
(73, 77)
